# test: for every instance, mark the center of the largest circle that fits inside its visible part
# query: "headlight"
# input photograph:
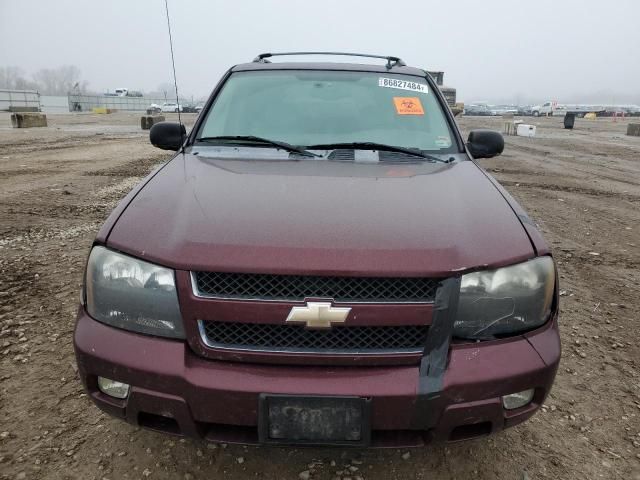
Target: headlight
(505, 301)
(128, 293)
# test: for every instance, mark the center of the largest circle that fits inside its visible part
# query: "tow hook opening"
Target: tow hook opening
(467, 432)
(159, 423)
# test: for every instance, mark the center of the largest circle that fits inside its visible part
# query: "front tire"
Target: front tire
(536, 113)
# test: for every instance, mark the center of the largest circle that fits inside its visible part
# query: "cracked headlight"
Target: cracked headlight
(505, 301)
(128, 293)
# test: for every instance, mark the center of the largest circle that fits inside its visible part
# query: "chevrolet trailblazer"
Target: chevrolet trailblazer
(323, 261)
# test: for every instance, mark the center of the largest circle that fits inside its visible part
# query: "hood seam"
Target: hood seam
(140, 188)
(495, 184)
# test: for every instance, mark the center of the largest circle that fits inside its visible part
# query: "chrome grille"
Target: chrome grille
(297, 338)
(299, 287)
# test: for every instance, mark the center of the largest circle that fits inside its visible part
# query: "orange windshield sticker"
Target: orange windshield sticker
(408, 106)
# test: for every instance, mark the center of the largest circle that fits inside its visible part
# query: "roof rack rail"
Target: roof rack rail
(391, 61)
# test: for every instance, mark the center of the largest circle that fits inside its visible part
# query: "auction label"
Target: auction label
(402, 84)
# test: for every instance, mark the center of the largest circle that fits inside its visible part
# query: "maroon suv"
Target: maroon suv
(322, 262)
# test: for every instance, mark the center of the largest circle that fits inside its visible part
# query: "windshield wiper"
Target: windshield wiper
(377, 146)
(265, 141)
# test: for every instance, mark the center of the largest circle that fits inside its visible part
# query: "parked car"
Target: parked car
(546, 108)
(524, 110)
(171, 107)
(154, 108)
(477, 110)
(199, 108)
(498, 110)
(324, 261)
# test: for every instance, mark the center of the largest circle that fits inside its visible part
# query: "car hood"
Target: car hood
(320, 217)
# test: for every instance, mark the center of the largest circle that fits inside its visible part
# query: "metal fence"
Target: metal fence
(19, 100)
(86, 103)
(54, 104)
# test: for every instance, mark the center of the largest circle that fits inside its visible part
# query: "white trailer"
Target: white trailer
(559, 109)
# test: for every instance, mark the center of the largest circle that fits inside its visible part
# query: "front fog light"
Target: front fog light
(113, 388)
(517, 400)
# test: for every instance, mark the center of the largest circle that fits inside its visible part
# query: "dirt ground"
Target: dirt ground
(58, 184)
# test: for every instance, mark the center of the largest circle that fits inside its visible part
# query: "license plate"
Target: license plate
(314, 420)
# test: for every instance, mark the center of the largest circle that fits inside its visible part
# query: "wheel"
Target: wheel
(176, 110)
(536, 113)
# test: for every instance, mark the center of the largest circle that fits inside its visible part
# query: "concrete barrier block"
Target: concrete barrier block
(633, 129)
(23, 109)
(148, 121)
(28, 120)
(511, 127)
(103, 110)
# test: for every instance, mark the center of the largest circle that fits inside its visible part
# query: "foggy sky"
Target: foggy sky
(562, 50)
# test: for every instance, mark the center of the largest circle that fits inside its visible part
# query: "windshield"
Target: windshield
(311, 107)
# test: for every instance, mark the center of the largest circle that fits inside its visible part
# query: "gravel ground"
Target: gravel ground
(57, 185)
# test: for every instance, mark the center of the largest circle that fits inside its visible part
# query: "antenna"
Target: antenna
(175, 80)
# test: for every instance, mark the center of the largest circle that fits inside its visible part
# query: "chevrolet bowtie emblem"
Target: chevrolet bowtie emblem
(318, 314)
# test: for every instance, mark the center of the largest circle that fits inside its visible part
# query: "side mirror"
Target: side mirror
(485, 143)
(167, 135)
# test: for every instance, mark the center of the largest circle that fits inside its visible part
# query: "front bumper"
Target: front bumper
(175, 391)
